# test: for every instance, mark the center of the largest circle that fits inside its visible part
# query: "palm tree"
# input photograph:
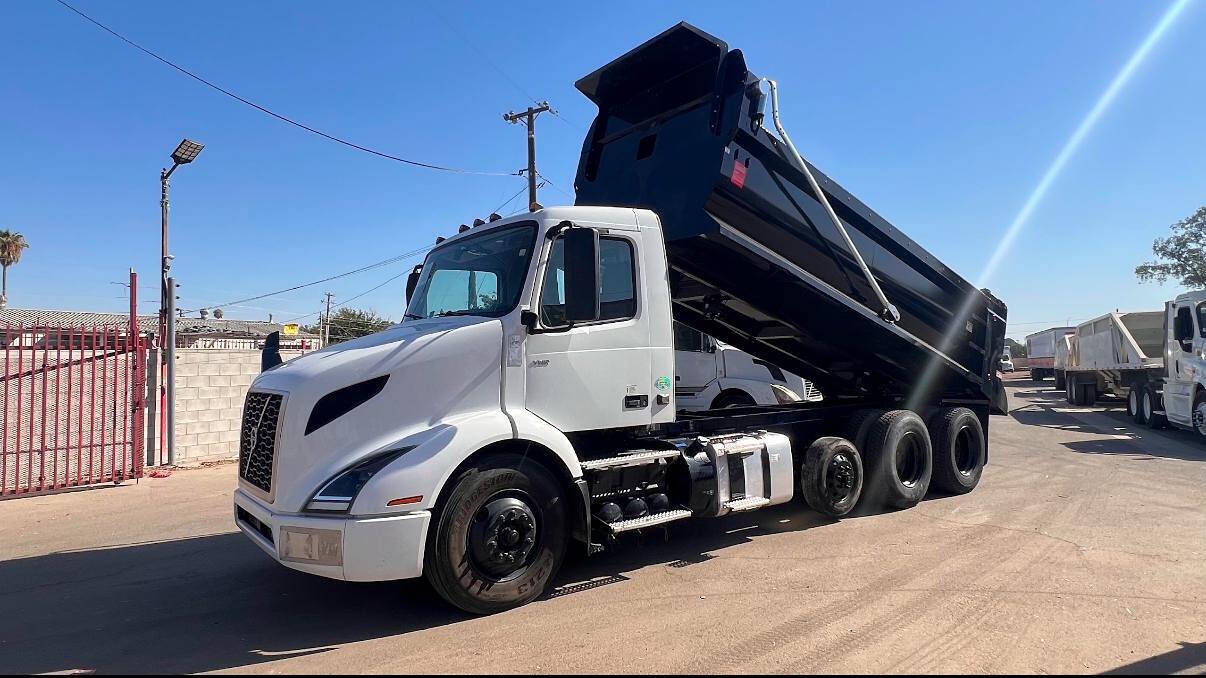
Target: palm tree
(12, 244)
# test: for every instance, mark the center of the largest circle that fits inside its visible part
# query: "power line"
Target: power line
(379, 264)
(494, 64)
(351, 299)
(555, 186)
(276, 115)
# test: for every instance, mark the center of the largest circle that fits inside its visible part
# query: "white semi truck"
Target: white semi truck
(527, 403)
(711, 375)
(1155, 359)
(1040, 351)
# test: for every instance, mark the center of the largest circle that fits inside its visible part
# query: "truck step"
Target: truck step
(747, 504)
(649, 520)
(636, 459)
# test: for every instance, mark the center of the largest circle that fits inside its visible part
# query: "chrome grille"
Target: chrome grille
(257, 438)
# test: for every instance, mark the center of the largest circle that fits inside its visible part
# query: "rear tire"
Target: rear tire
(859, 425)
(1134, 406)
(959, 450)
(1151, 403)
(478, 557)
(1074, 391)
(1060, 380)
(899, 458)
(831, 478)
(1088, 394)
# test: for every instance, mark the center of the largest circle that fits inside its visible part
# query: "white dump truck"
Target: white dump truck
(710, 375)
(1040, 351)
(526, 405)
(1155, 359)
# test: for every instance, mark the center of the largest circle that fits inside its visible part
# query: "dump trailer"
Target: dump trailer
(1112, 354)
(1040, 351)
(1155, 359)
(526, 404)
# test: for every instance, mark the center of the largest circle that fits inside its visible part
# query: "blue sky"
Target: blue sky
(940, 115)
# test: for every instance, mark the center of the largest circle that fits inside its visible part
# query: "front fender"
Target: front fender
(760, 391)
(424, 470)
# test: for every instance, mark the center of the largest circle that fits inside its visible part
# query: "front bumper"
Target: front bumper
(381, 548)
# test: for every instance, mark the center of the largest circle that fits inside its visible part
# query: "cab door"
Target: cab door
(1180, 362)
(592, 375)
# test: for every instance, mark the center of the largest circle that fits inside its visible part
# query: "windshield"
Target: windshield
(478, 275)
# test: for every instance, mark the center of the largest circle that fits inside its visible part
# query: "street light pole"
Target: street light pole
(185, 153)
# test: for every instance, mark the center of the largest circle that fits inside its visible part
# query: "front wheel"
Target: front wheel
(1198, 415)
(499, 537)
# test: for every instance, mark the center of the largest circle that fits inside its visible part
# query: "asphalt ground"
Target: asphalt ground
(1083, 550)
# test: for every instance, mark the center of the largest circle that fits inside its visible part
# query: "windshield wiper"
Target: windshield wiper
(416, 316)
(441, 314)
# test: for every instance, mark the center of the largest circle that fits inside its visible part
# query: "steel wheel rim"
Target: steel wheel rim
(966, 452)
(1147, 406)
(1199, 418)
(909, 466)
(840, 478)
(504, 535)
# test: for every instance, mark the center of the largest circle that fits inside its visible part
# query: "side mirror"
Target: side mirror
(709, 343)
(412, 281)
(581, 275)
(270, 357)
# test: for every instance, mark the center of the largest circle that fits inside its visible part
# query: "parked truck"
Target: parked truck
(1154, 359)
(526, 404)
(1040, 351)
(711, 375)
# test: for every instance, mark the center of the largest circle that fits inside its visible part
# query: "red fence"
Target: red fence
(73, 407)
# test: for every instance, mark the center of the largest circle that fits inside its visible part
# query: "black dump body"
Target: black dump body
(754, 258)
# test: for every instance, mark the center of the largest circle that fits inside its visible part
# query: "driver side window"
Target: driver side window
(617, 283)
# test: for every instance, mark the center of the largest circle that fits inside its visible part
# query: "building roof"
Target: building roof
(146, 323)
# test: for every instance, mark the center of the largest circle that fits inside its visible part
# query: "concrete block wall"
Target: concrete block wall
(210, 387)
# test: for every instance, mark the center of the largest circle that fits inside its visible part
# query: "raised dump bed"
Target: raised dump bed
(755, 259)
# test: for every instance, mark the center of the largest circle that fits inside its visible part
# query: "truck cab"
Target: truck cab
(1184, 391)
(709, 374)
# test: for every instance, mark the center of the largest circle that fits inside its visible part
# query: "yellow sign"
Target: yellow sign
(289, 329)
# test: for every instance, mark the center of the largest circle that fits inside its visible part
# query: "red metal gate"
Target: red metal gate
(73, 406)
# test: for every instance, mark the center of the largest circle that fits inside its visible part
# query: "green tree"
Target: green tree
(1016, 349)
(12, 244)
(349, 323)
(1181, 255)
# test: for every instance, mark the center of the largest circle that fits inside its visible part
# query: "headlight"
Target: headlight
(785, 395)
(339, 492)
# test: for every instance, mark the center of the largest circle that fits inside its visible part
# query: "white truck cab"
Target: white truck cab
(710, 374)
(1184, 390)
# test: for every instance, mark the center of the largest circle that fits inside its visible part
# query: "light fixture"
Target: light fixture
(186, 152)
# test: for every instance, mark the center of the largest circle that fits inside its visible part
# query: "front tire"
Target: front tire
(1197, 416)
(733, 399)
(899, 459)
(500, 536)
(831, 478)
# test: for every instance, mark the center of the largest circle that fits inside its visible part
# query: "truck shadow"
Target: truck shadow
(679, 545)
(216, 602)
(1190, 658)
(189, 605)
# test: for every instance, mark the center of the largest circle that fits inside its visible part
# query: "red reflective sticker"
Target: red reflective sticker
(738, 177)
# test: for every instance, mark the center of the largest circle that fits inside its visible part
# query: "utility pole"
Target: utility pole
(528, 118)
(326, 324)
